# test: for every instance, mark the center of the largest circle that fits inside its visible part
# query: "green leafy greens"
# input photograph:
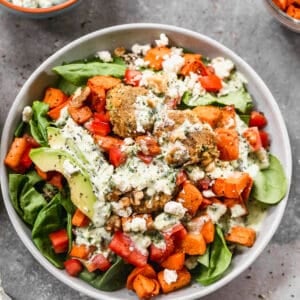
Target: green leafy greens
(78, 73)
(270, 185)
(215, 261)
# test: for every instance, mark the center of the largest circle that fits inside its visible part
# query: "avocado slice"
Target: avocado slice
(82, 194)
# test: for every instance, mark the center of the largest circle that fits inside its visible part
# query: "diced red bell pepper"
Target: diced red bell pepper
(211, 82)
(158, 254)
(123, 246)
(251, 134)
(257, 119)
(177, 232)
(116, 156)
(59, 240)
(98, 127)
(73, 266)
(204, 184)
(99, 262)
(25, 160)
(147, 159)
(265, 139)
(101, 116)
(132, 77)
(181, 177)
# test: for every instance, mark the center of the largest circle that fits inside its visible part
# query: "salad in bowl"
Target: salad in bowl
(146, 167)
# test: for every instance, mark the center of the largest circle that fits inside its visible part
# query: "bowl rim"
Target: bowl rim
(17, 223)
(281, 13)
(38, 11)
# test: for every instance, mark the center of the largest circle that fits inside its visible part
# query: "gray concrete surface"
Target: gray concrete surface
(246, 28)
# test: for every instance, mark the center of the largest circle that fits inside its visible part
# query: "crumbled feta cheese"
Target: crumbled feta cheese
(193, 85)
(104, 56)
(237, 210)
(173, 63)
(137, 224)
(141, 63)
(170, 276)
(216, 211)
(208, 194)
(222, 67)
(195, 173)
(27, 114)
(121, 211)
(164, 221)
(140, 49)
(163, 40)
(141, 242)
(175, 208)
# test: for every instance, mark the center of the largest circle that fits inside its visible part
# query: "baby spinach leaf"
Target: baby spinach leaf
(51, 218)
(270, 185)
(219, 260)
(77, 74)
(204, 259)
(26, 200)
(67, 87)
(113, 279)
(39, 122)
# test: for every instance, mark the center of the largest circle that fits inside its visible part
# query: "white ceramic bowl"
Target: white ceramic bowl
(283, 18)
(127, 35)
(39, 13)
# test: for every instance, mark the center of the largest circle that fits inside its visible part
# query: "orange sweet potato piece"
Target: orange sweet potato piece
(227, 118)
(15, 153)
(227, 141)
(208, 231)
(282, 4)
(183, 279)
(155, 56)
(190, 197)
(106, 82)
(80, 114)
(174, 261)
(54, 97)
(145, 287)
(80, 251)
(79, 219)
(54, 113)
(146, 271)
(231, 187)
(208, 114)
(293, 11)
(242, 236)
(192, 63)
(193, 244)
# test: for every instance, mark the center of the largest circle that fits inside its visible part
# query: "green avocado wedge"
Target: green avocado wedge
(81, 189)
(270, 185)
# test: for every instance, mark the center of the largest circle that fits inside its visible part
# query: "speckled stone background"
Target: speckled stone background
(246, 28)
